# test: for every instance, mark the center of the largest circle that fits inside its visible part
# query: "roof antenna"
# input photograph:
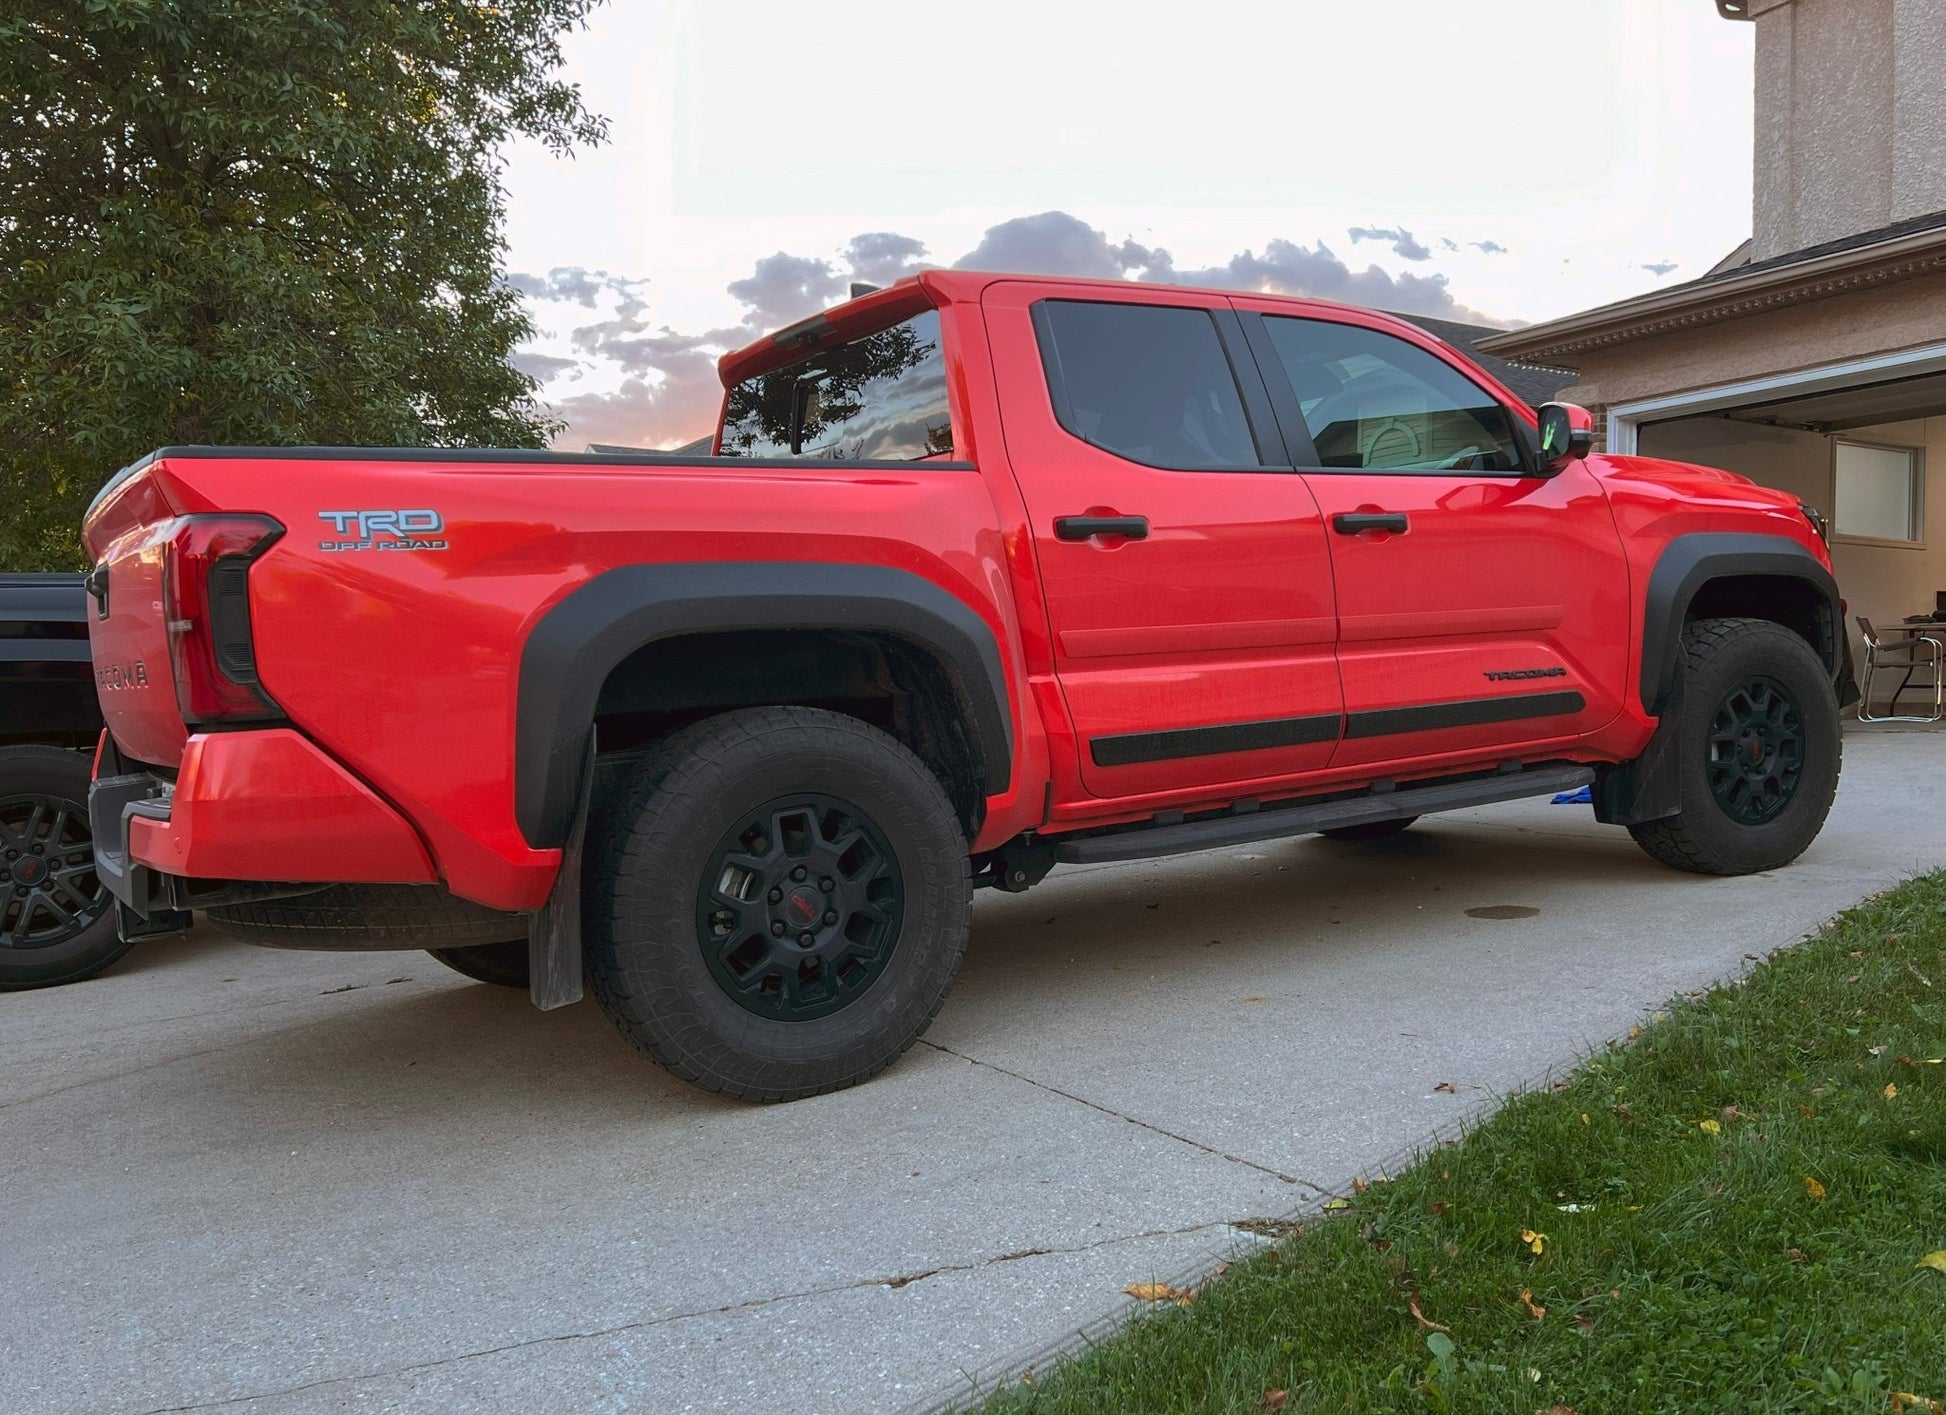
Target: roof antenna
(859, 287)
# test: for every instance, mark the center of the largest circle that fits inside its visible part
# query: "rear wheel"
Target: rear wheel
(1373, 830)
(57, 918)
(777, 903)
(1759, 746)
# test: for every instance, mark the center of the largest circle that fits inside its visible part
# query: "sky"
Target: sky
(1492, 161)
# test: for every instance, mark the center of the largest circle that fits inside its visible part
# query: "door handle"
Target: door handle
(1087, 527)
(1350, 523)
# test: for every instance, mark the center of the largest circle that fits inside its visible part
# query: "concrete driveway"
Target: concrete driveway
(296, 1182)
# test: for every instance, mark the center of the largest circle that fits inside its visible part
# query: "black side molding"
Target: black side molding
(1468, 712)
(577, 643)
(1689, 562)
(1306, 817)
(1131, 747)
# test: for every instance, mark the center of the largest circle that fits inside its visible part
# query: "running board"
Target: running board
(1306, 818)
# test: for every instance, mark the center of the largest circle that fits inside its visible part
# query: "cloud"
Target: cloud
(545, 367)
(1401, 241)
(669, 392)
(1449, 243)
(1660, 268)
(880, 257)
(1488, 247)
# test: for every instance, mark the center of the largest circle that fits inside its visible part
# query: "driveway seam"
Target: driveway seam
(1277, 1174)
(894, 1282)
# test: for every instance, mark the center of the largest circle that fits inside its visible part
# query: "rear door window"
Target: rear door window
(1374, 402)
(879, 398)
(1147, 382)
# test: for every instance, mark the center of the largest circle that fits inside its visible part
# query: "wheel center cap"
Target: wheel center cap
(29, 870)
(1754, 750)
(803, 905)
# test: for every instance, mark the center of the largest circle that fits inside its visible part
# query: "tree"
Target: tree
(259, 222)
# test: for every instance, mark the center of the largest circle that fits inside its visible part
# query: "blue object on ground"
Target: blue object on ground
(1583, 797)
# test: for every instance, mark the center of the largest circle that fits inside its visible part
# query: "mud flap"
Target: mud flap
(554, 935)
(1650, 787)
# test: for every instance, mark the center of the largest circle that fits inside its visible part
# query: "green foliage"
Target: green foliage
(258, 222)
(1739, 1211)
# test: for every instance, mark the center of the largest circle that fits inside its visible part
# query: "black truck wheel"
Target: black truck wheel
(777, 902)
(1759, 745)
(503, 964)
(57, 919)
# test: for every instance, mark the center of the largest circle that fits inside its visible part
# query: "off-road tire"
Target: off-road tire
(503, 964)
(370, 917)
(1717, 656)
(52, 774)
(1371, 830)
(660, 835)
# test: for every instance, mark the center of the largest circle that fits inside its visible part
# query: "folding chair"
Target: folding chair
(1917, 652)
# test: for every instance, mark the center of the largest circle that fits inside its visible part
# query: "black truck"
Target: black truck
(57, 923)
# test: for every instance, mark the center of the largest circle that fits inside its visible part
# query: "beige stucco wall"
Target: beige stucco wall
(1860, 324)
(1850, 118)
(1882, 582)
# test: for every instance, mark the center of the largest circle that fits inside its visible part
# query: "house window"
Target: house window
(1880, 493)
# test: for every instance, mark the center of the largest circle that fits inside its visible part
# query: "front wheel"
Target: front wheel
(777, 902)
(1758, 743)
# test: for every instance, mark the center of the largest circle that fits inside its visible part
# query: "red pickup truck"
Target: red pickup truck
(985, 573)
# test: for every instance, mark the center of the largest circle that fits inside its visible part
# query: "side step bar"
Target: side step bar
(1305, 818)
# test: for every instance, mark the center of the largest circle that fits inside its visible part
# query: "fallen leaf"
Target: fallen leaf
(1709, 1127)
(1438, 1207)
(1730, 1113)
(1425, 1322)
(1906, 1400)
(1250, 999)
(1222, 1268)
(1155, 1292)
(1878, 1050)
(1275, 1399)
(1819, 1090)
(1584, 1118)
(1359, 1186)
(1333, 1205)
(1586, 1324)
(1634, 1032)
(1796, 1255)
(1556, 1410)
(1813, 1188)
(1936, 1260)
(1854, 977)
(1448, 1087)
(1713, 1190)
(1452, 1248)
(1534, 1309)
(1536, 1242)
(1807, 1112)
(1891, 1091)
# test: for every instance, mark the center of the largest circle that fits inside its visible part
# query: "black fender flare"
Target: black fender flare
(578, 641)
(1691, 561)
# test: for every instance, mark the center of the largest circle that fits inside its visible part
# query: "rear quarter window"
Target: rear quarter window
(879, 398)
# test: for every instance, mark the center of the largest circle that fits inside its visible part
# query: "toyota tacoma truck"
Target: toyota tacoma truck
(982, 574)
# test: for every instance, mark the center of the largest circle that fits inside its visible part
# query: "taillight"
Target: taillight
(206, 600)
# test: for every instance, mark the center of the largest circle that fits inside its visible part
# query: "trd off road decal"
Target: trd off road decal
(416, 529)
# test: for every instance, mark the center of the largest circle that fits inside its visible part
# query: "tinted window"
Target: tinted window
(1375, 402)
(1146, 382)
(882, 397)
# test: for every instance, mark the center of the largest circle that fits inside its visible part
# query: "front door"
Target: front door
(1186, 578)
(1482, 609)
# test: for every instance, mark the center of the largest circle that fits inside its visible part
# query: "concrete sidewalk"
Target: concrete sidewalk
(297, 1182)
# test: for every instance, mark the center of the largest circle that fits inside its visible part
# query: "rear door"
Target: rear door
(1482, 608)
(1185, 572)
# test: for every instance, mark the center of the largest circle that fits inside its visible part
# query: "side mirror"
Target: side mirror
(1567, 435)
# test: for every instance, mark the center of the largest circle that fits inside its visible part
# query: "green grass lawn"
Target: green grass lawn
(1725, 1213)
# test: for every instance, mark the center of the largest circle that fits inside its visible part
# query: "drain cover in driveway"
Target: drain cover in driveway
(1502, 911)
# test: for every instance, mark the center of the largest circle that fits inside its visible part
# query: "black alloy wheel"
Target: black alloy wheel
(799, 908)
(1756, 750)
(57, 918)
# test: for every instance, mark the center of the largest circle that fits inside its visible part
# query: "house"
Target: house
(1813, 357)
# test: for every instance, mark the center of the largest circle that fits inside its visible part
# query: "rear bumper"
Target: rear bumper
(263, 807)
